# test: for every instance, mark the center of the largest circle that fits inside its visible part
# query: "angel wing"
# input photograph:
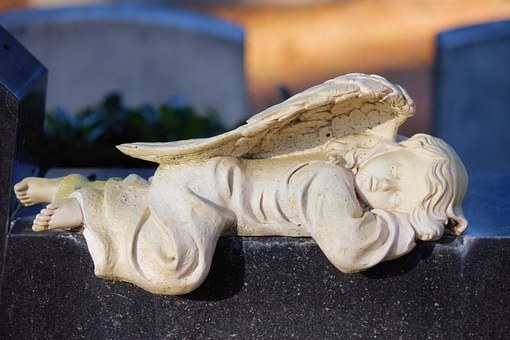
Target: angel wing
(348, 105)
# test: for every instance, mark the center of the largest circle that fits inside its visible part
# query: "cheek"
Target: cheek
(378, 200)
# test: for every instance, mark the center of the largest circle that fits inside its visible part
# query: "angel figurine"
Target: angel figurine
(327, 164)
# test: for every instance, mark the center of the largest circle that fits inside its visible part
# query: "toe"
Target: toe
(37, 228)
(41, 217)
(21, 186)
(26, 202)
(40, 223)
(47, 212)
(52, 206)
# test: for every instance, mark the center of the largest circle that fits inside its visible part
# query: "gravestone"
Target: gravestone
(22, 91)
(148, 54)
(273, 287)
(472, 94)
(276, 287)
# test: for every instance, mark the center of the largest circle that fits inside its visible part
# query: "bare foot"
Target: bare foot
(34, 190)
(63, 214)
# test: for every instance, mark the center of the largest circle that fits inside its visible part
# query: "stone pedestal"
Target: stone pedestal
(274, 288)
(22, 89)
(263, 288)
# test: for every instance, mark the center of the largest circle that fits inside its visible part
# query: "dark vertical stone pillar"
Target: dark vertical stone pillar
(22, 94)
(472, 87)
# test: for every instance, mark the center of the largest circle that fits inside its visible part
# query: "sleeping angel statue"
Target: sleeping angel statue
(327, 164)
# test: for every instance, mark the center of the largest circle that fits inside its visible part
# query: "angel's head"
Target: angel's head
(421, 177)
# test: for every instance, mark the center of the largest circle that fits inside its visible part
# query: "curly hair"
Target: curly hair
(441, 209)
(447, 182)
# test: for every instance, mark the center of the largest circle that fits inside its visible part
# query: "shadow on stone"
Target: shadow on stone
(403, 264)
(226, 277)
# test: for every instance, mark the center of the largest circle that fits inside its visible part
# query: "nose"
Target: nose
(387, 185)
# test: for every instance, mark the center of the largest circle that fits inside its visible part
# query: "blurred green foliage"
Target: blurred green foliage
(88, 139)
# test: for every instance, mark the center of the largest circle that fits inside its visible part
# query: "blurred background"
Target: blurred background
(297, 44)
(292, 45)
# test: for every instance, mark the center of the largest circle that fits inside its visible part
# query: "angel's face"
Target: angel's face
(393, 181)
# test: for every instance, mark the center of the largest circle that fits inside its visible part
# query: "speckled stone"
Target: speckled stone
(22, 90)
(274, 288)
(262, 288)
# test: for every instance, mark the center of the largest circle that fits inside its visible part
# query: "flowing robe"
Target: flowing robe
(161, 234)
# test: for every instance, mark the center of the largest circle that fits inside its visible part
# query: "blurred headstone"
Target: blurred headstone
(472, 94)
(147, 54)
(22, 91)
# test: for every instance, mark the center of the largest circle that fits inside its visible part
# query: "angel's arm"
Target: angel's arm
(353, 240)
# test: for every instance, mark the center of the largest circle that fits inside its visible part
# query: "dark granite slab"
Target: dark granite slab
(273, 287)
(263, 288)
(22, 90)
(486, 205)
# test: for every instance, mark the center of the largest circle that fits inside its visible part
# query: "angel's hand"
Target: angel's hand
(335, 150)
(339, 146)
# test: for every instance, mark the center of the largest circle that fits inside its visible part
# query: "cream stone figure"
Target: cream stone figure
(326, 164)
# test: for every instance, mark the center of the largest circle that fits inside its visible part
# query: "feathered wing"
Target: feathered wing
(348, 105)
